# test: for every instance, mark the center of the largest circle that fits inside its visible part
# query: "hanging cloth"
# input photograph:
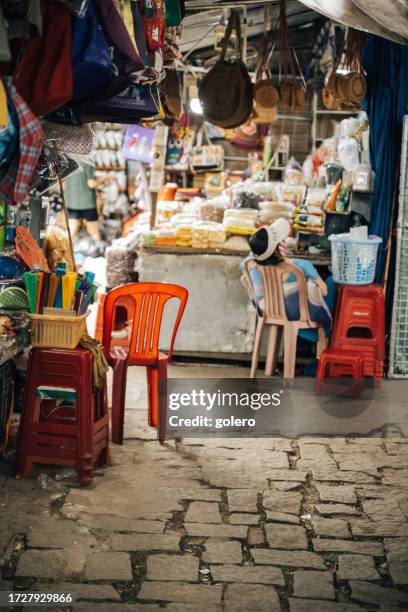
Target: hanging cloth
(386, 64)
(126, 56)
(15, 184)
(100, 365)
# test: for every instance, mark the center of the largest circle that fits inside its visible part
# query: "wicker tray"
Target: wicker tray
(57, 332)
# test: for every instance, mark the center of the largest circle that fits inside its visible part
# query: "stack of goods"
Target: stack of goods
(208, 235)
(166, 209)
(292, 193)
(165, 236)
(241, 221)
(271, 211)
(184, 234)
(200, 235)
(120, 263)
(310, 214)
(149, 237)
(216, 236)
(267, 190)
(213, 210)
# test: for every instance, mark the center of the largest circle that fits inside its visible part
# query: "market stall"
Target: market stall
(127, 161)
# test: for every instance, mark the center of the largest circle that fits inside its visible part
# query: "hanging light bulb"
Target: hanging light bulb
(195, 106)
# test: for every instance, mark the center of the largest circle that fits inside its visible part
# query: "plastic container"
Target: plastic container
(48, 331)
(354, 261)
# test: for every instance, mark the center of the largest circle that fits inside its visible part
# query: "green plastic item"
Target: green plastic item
(30, 281)
(56, 393)
(13, 298)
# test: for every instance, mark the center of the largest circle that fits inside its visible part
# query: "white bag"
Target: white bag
(206, 157)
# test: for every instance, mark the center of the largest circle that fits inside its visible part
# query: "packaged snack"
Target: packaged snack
(292, 193)
(57, 247)
(166, 209)
(213, 210)
(184, 235)
(166, 236)
(293, 174)
(240, 221)
(270, 211)
(216, 236)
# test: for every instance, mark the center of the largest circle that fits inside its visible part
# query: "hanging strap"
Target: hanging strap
(233, 24)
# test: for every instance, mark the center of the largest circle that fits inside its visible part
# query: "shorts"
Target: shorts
(89, 214)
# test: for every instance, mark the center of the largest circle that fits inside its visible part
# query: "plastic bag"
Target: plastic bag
(348, 153)
(293, 174)
(120, 264)
(57, 248)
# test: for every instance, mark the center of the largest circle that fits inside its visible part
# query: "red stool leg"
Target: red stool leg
(162, 388)
(321, 373)
(85, 419)
(152, 394)
(118, 400)
(357, 376)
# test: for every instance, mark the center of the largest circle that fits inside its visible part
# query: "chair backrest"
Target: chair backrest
(149, 301)
(273, 277)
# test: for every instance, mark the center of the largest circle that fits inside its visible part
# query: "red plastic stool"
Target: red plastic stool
(359, 319)
(50, 433)
(372, 367)
(330, 359)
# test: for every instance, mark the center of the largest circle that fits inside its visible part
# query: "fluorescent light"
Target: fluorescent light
(195, 106)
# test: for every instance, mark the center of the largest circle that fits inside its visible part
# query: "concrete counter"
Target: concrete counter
(218, 320)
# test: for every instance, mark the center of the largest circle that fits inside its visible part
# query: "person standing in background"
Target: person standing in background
(80, 196)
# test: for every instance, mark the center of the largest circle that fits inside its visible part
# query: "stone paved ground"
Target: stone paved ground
(306, 525)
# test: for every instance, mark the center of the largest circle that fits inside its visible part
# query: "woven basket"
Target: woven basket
(57, 332)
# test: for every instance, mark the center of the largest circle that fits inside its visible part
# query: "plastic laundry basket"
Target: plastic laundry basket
(354, 261)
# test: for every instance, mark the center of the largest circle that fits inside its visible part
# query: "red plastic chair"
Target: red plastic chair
(149, 300)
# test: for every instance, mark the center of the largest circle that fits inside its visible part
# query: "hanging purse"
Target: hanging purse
(44, 76)
(266, 92)
(71, 140)
(226, 92)
(206, 157)
(92, 65)
(125, 55)
(135, 103)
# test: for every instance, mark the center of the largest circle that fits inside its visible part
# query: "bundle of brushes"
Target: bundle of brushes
(59, 293)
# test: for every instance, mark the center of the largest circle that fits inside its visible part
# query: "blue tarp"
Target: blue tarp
(386, 64)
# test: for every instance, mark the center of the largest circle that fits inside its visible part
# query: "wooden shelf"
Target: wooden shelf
(320, 260)
(336, 112)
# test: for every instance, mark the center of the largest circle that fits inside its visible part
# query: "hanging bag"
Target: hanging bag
(44, 75)
(71, 140)
(206, 157)
(92, 65)
(135, 103)
(266, 92)
(226, 92)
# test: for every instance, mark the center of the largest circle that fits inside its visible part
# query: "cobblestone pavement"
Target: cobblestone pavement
(313, 524)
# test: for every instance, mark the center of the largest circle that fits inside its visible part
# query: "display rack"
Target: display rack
(318, 112)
